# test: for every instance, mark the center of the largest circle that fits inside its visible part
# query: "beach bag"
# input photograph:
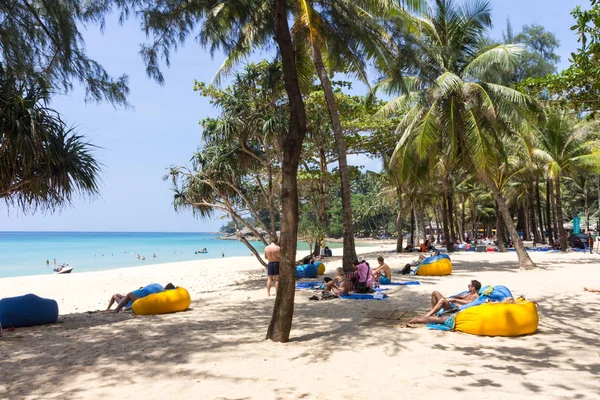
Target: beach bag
(361, 287)
(405, 270)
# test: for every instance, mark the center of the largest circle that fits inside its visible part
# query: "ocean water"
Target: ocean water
(25, 253)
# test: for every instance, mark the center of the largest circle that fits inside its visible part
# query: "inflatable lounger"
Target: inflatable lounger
(435, 266)
(27, 310)
(306, 271)
(320, 268)
(165, 302)
(485, 318)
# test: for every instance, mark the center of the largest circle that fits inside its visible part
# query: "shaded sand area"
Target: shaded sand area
(216, 350)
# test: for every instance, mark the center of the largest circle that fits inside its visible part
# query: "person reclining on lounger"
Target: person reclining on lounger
(438, 301)
(123, 300)
(591, 290)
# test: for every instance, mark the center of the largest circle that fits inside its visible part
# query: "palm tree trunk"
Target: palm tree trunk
(598, 222)
(451, 213)
(524, 261)
(412, 227)
(438, 223)
(283, 309)
(539, 210)
(559, 216)
(549, 218)
(399, 222)
(349, 246)
(462, 219)
(500, 231)
(536, 234)
(586, 207)
(445, 219)
(416, 214)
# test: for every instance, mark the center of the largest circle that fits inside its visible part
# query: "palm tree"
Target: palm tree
(43, 163)
(339, 34)
(565, 147)
(454, 107)
(238, 27)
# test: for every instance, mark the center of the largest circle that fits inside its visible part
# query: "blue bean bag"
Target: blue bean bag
(306, 271)
(27, 310)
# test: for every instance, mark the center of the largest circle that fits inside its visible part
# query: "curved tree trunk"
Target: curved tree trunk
(524, 261)
(283, 310)
(349, 246)
(559, 216)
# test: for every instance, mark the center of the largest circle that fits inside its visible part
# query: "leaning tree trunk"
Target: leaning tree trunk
(283, 310)
(349, 246)
(539, 210)
(499, 231)
(399, 222)
(549, 218)
(524, 261)
(559, 216)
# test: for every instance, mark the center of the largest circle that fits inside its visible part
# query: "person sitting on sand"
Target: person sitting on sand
(364, 275)
(438, 301)
(384, 271)
(591, 290)
(339, 284)
(123, 300)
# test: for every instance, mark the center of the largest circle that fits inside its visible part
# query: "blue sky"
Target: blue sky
(138, 145)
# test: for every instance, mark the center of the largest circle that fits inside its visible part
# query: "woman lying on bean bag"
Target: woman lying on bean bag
(125, 301)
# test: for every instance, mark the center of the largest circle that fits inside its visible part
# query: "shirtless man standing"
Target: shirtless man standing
(273, 255)
(438, 301)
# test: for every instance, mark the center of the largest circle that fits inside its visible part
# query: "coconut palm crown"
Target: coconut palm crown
(445, 75)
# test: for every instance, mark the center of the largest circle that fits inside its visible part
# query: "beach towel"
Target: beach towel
(446, 326)
(362, 296)
(401, 283)
(308, 285)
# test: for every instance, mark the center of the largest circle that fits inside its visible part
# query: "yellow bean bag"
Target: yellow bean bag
(162, 303)
(321, 269)
(498, 319)
(442, 266)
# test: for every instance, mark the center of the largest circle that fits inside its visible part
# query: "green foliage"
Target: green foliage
(539, 58)
(40, 41)
(43, 162)
(578, 86)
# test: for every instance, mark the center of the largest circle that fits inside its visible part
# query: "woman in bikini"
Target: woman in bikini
(339, 284)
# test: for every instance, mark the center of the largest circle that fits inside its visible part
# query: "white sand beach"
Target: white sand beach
(216, 350)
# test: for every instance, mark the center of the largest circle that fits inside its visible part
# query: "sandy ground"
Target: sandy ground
(216, 350)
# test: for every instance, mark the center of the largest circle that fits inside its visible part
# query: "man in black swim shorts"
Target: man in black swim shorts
(273, 255)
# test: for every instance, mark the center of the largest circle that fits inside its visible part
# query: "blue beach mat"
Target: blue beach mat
(361, 296)
(400, 283)
(308, 285)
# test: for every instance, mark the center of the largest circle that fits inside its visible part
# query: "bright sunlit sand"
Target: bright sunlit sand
(217, 348)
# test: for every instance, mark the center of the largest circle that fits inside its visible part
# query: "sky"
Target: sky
(137, 145)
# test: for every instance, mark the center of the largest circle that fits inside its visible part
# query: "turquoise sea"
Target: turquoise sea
(25, 253)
